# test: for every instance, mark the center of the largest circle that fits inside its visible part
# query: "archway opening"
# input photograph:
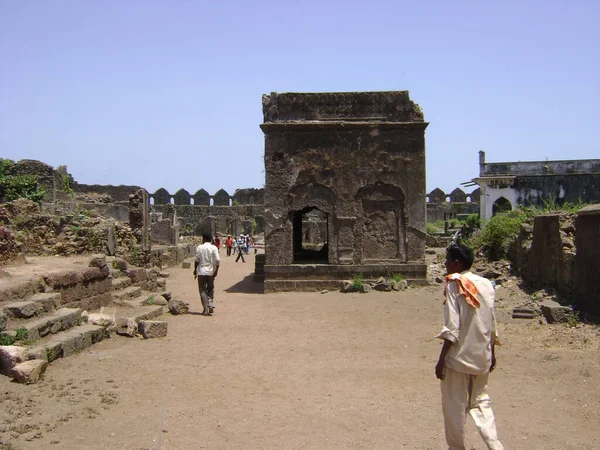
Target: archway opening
(310, 236)
(500, 206)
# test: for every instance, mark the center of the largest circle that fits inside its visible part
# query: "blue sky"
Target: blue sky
(168, 93)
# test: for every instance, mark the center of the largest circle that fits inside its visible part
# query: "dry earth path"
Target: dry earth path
(303, 371)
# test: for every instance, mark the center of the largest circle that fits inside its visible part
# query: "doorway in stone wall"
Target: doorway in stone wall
(500, 206)
(310, 236)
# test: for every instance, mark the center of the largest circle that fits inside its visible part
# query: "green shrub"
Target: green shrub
(358, 281)
(396, 277)
(499, 232)
(6, 339)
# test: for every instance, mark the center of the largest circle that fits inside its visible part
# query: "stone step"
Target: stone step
(120, 283)
(127, 293)
(35, 305)
(137, 312)
(70, 342)
(61, 320)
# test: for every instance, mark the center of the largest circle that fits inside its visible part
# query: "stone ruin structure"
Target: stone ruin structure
(353, 165)
(457, 204)
(506, 185)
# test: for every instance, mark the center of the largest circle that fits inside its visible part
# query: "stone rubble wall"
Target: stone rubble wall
(562, 251)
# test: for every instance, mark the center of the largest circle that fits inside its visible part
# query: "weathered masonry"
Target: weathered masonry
(506, 185)
(352, 165)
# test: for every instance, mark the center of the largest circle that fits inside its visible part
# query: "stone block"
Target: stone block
(400, 285)
(126, 326)
(21, 310)
(385, 286)
(187, 264)
(10, 356)
(98, 261)
(37, 353)
(554, 312)
(152, 329)
(101, 319)
(161, 283)
(157, 300)
(111, 240)
(178, 307)
(29, 371)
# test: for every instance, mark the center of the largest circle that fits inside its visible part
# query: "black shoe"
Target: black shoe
(211, 310)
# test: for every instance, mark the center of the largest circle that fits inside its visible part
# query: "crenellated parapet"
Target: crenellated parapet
(202, 198)
(456, 196)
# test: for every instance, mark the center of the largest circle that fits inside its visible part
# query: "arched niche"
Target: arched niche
(383, 222)
(501, 205)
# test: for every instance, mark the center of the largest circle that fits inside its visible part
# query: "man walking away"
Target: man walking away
(206, 268)
(467, 356)
(240, 247)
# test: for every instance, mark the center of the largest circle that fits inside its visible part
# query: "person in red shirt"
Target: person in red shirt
(217, 242)
(229, 244)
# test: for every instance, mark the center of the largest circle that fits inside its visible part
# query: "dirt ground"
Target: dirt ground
(304, 371)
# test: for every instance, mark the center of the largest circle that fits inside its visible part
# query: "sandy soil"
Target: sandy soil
(303, 371)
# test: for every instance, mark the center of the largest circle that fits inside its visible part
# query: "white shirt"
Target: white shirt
(472, 330)
(207, 257)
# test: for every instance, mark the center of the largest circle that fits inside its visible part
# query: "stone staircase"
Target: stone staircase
(45, 326)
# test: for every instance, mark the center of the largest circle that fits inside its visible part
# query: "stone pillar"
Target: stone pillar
(587, 258)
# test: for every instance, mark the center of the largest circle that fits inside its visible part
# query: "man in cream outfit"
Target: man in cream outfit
(206, 268)
(467, 356)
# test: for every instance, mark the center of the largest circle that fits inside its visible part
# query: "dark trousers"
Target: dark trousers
(206, 286)
(228, 251)
(240, 254)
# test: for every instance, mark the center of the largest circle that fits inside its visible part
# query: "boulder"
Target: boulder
(152, 328)
(166, 295)
(29, 371)
(178, 307)
(161, 283)
(554, 312)
(101, 319)
(347, 286)
(365, 288)
(10, 356)
(37, 353)
(384, 285)
(400, 285)
(126, 326)
(98, 261)
(157, 300)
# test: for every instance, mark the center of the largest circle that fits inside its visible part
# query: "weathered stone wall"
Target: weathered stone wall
(359, 158)
(587, 260)
(524, 168)
(118, 193)
(562, 251)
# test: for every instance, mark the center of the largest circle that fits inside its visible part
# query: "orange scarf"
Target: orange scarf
(464, 287)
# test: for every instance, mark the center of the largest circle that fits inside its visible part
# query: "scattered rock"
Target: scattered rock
(29, 371)
(126, 326)
(439, 280)
(554, 312)
(157, 300)
(365, 288)
(166, 295)
(20, 260)
(37, 353)
(400, 285)
(101, 319)
(164, 275)
(430, 251)
(178, 307)
(383, 285)
(347, 286)
(10, 356)
(161, 283)
(98, 261)
(186, 264)
(152, 328)
(324, 291)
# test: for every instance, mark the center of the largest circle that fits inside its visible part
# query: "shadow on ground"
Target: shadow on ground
(247, 286)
